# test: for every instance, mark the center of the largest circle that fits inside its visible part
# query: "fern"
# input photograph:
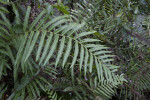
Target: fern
(45, 45)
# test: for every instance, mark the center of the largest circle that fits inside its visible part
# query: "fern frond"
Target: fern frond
(101, 64)
(51, 33)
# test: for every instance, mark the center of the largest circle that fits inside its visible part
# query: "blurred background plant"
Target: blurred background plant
(123, 26)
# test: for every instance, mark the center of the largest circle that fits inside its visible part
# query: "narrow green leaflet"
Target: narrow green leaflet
(53, 47)
(61, 29)
(91, 62)
(32, 90)
(41, 23)
(84, 34)
(89, 40)
(108, 60)
(97, 67)
(75, 53)
(106, 56)
(106, 71)
(81, 56)
(32, 45)
(29, 64)
(93, 45)
(26, 19)
(101, 52)
(40, 84)
(1, 68)
(36, 20)
(36, 87)
(10, 54)
(86, 62)
(101, 71)
(69, 28)
(4, 1)
(7, 22)
(66, 55)
(53, 21)
(4, 31)
(17, 17)
(45, 81)
(76, 28)
(58, 23)
(40, 45)
(2, 9)
(46, 47)
(21, 48)
(60, 50)
(27, 47)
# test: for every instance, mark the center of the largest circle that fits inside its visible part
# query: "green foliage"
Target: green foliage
(35, 53)
(68, 54)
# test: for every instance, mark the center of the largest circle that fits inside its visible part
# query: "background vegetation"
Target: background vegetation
(74, 49)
